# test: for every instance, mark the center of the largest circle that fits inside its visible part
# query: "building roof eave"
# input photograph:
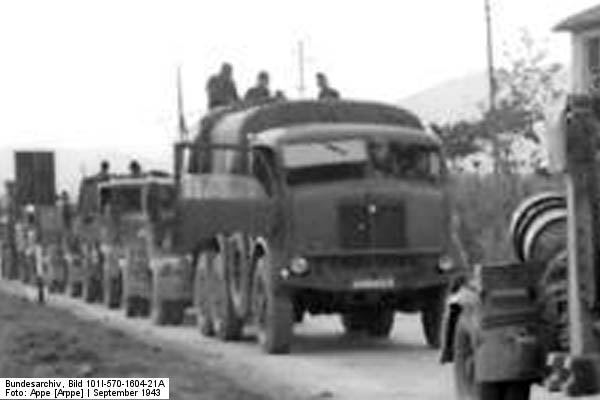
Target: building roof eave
(584, 20)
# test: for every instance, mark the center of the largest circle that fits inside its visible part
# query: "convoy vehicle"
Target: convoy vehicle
(537, 320)
(125, 226)
(136, 217)
(314, 206)
(34, 225)
(85, 256)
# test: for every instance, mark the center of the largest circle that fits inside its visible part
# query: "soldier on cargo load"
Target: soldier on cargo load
(135, 168)
(280, 95)
(326, 92)
(104, 173)
(259, 92)
(221, 89)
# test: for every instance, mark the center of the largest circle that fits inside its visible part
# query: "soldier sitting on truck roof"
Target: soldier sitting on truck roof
(135, 168)
(259, 92)
(221, 88)
(104, 173)
(280, 95)
(326, 92)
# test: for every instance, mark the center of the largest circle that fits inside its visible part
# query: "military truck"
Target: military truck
(537, 320)
(34, 223)
(136, 215)
(7, 222)
(85, 259)
(314, 206)
(125, 232)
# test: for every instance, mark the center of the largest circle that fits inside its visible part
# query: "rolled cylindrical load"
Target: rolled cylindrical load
(538, 227)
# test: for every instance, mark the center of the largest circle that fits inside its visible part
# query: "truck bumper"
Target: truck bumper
(364, 274)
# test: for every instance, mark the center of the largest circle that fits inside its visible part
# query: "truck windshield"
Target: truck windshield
(360, 158)
(325, 161)
(122, 199)
(405, 161)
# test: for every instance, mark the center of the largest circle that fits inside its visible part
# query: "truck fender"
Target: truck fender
(462, 298)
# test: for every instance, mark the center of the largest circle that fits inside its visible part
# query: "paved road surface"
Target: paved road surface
(324, 364)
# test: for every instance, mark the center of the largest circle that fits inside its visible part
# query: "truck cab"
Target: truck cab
(315, 207)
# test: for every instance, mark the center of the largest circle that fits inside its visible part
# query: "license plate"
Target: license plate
(383, 283)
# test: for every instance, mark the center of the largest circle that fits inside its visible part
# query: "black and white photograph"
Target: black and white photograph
(300, 200)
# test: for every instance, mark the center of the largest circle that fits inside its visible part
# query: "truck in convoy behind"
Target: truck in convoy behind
(124, 226)
(314, 206)
(35, 225)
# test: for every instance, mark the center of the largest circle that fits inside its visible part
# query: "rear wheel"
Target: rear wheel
(238, 278)
(432, 315)
(272, 312)
(467, 388)
(132, 304)
(75, 289)
(204, 318)
(176, 312)
(160, 312)
(227, 324)
(112, 292)
(91, 290)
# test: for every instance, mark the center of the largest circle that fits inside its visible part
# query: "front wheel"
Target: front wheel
(466, 386)
(272, 312)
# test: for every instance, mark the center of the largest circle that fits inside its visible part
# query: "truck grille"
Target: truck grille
(372, 225)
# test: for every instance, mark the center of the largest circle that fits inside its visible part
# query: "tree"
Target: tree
(524, 88)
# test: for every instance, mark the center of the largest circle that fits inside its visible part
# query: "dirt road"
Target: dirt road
(325, 364)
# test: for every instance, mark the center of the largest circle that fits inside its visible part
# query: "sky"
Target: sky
(86, 74)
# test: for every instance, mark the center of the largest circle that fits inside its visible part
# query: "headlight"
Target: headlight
(445, 263)
(299, 266)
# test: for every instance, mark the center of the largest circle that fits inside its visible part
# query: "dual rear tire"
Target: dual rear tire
(137, 306)
(270, 310)
(215, 312)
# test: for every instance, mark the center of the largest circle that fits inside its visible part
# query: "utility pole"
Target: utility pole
(301, 61)
(490, 57)
(181, 125)
(492, 87)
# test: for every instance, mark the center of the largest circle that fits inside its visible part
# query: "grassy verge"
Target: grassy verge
(38, 341)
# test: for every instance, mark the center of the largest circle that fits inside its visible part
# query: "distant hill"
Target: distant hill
(462, 98)
(71, 164)
(453, 100)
